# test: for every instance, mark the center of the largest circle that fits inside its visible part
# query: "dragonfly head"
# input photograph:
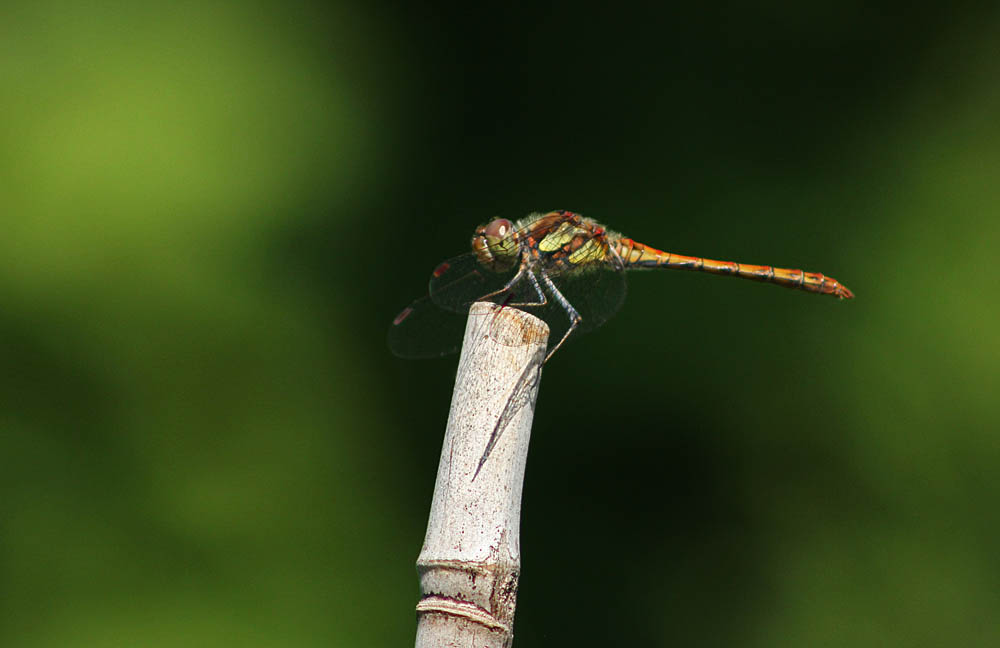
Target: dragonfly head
(495, 244)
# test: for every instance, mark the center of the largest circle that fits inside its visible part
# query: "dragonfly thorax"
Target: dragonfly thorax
(495, 244)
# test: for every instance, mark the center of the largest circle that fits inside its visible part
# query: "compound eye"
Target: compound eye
(498, 229)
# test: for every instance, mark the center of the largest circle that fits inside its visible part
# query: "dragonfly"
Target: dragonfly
(567, 269)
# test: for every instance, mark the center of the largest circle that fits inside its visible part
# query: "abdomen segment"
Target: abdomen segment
(637, 255)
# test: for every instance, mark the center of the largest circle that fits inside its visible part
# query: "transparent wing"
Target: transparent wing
(423, 330)
(458, 283)
(595, 292)
(433, 325)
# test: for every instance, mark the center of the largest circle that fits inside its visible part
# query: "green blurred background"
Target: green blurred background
(211, 212)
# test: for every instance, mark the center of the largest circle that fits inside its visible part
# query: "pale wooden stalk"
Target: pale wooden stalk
(471, 560)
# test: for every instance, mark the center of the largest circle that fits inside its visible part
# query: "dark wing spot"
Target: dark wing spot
(402, 316)
(441, 269)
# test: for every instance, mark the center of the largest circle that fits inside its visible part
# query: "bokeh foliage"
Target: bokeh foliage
(212, 210)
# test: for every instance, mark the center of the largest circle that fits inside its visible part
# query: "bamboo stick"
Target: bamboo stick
(470, 562)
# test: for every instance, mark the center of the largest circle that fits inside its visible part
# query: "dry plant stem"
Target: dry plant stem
(470, 561)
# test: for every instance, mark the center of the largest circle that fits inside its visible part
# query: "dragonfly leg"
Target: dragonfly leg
(574, 317)
(523, 271)
(517, 277)
(542, 300)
